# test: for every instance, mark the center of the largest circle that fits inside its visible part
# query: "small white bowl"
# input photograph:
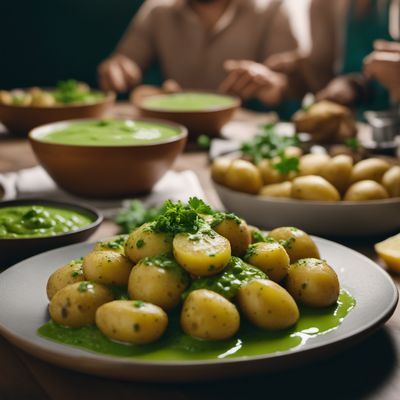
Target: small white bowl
(344, 218)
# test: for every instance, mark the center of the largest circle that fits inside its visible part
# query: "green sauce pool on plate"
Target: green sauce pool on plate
(39, 221)
(187, 102)
(111, 133)
(176, 346)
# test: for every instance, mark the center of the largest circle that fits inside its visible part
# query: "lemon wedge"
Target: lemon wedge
(389, 251)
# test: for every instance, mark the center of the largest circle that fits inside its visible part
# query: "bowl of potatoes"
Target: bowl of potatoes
(330, 196)
(23, 109)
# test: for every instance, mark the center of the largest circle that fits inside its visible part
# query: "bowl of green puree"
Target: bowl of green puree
(108, 158)
(31, 226)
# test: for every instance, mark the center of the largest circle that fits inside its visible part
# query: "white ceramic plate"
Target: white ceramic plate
(315, 217)
(23, 309)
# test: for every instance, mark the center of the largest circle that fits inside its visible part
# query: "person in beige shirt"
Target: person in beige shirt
(205, 44)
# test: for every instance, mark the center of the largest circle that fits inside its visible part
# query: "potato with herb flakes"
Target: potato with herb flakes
(391, 181)
(338, 172)
(145, 242)
(218, 169)
(365, 190)
(313, 188)
(208, 315)
(107, 267)
(158, 280)
(235, 230)
(130, 321)
(116, 243)
(202, 254)
(313, 282)
(297, 243)
(270, 257)
(267, 305)
(75, 305)
(269, 173)
(64, 276)
(243, 176)
(369, 169)
(283, 190)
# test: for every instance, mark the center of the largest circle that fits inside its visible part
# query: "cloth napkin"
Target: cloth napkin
(36, 183)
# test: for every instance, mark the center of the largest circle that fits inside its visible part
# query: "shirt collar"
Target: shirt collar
(224, 21)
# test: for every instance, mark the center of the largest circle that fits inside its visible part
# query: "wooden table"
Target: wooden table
(370, 370)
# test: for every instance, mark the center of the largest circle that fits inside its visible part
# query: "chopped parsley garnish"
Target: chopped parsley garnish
(219, 217)
(138, 303)
(140, 243)
(268, 144)
(353, 143)
(135, 215)
(251, 251)
(76, 273)
(287, 243)
(85, 286)
(168, 264)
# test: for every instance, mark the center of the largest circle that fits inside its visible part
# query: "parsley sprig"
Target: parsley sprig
(268, 144)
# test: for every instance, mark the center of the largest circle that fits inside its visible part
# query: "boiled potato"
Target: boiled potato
(236, 231)
(365, 190)
(5, 97)
(243, 176)
(219, 168)
(144, 242)
(370, 169)
(296, 243)
(131, 321)
(338, 172)
(313, 282)
(66, 275)
(208, 315)
(267, 305)
(271, 257)
(293, 151)
(314, 188)
(42, 99)
(269, 173)
(202, 254)
(158, 280)
(283, 190)
(312, 164)
(391, 181)
(75, 305)
(117, 244)
(108, 267)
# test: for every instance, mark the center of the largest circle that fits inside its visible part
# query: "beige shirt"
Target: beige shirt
(169, 32)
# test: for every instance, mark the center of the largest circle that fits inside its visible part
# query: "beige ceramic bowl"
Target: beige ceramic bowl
(344, 218)
(208, 122)
(106, 171)
(21, 119)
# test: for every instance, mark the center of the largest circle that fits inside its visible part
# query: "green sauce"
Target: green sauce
(187, 102)
(111, 133)
(38, 220)
(230, 280)
(176, 346)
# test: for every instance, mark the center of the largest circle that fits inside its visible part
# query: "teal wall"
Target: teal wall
(43, 41)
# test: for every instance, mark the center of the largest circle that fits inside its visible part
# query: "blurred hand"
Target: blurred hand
(248, 79)
(340, 90)
(286, 62)
(383, 64)
(118, 73)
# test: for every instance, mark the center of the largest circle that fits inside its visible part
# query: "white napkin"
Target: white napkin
(35, 182)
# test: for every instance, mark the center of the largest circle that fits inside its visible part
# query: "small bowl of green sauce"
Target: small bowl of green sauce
(109, 158)
(31, 226)
(203, 113)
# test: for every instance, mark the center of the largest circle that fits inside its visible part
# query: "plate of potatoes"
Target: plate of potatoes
(231, 284)
(331, 196)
